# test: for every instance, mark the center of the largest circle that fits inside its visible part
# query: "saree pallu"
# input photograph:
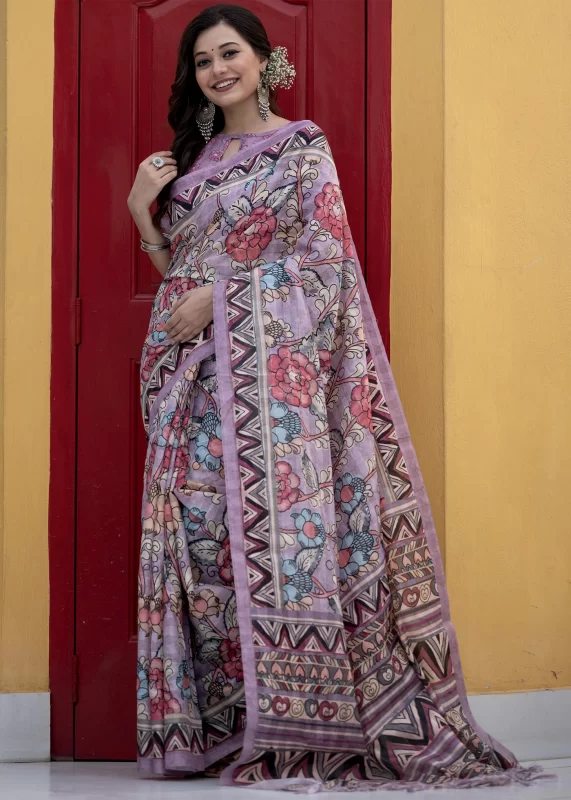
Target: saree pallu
(294, 625)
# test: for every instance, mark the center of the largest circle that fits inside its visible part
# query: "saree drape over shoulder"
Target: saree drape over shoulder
(294, 626)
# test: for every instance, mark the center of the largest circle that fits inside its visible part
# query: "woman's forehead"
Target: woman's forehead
(216, 37)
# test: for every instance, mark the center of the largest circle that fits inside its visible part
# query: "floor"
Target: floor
(81, 780)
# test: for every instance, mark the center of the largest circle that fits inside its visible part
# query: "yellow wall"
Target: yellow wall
(481, 322)
(26, 97)
(498, 308)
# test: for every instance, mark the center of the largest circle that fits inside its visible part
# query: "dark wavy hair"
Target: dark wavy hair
(186, 95)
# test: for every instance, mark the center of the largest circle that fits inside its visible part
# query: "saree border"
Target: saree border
(388, 385)
(234, 505)
(195, 178)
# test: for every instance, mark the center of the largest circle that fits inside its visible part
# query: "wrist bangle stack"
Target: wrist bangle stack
(149, 247)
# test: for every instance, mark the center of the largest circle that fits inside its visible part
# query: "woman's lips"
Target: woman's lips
(225, 88)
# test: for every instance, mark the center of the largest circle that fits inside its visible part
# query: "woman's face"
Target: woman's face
(220, 55)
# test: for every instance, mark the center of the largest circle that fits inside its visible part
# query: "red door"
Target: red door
(128, 56)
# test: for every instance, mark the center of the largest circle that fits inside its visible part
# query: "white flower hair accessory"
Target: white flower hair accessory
(278, 71)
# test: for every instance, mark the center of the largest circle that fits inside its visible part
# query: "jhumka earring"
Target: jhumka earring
(263, 98)
(278, 72)
(205, 119)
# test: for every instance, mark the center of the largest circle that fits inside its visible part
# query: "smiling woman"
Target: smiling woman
(294, 628)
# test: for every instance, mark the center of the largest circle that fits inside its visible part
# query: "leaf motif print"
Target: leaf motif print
(205, 551)
(231, 613)
(209, 650)
(239, 208)
(360, 518)
(308, 559)
(279, 196)
(309, 472)
(312, 283)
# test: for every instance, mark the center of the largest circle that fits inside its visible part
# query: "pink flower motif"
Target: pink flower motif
(361, 404)
(162, 701)
(288, 483)
(231, 654)
(150, 356)
(292, 377)
(251, 234)
(324, 360)
(332, 216)
(224, 562)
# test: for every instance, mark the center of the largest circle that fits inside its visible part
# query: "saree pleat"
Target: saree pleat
(294, 625)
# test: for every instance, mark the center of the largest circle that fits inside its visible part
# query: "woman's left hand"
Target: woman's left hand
(191, 313)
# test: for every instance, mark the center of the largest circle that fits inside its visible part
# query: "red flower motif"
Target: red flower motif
(224, 562)
(332, 216)
(251, 234)
(324, 360)
(150, 355)
(361, 404)
(292, 377)
(231, 654)
(288, 482)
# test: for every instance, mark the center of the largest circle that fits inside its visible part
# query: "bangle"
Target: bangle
(149, 247)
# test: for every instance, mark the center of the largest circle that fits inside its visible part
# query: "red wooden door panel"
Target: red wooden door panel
(128, 58)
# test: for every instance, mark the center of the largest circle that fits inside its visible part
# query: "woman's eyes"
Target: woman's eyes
(227, 53)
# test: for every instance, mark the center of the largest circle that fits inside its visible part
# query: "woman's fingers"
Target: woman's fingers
(176, 326)
(179, 301)
(168, 176)
(184, 335)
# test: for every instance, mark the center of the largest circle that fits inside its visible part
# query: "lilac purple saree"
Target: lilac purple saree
(294, 625)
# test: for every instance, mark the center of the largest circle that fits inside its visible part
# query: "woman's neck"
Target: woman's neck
(248, 120)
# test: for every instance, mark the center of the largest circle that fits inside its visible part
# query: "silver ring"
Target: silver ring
(158, 162)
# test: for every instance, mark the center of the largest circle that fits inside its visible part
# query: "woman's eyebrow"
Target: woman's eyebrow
(204, 53)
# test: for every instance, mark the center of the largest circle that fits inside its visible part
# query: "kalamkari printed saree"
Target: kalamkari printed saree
(294, 626)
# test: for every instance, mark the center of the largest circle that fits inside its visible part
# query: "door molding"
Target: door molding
(63, 385)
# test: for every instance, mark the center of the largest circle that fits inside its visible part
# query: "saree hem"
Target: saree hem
(524, 776)
(188, 763)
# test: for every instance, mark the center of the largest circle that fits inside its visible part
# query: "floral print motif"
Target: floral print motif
(332, 216)
(251, 234)
(205, 604)
(209, 442)
(349, 491)
(310, 527)
(361, 403)
(288, 485)
(292, 377)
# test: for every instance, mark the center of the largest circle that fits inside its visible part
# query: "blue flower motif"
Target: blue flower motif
(287, 425)
(165, 422)
(192, 518)
(291, 593)
(349, 491)
(273, 276)
(209, 442)
(310, 527)
(143, 676)
(297, 584)
(158, 336)
(354, 551)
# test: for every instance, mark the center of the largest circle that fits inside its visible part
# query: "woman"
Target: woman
(294, 629)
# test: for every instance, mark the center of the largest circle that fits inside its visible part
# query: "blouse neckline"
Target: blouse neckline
(242, 135)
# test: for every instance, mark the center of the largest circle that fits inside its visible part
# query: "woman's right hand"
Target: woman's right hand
(149, 181)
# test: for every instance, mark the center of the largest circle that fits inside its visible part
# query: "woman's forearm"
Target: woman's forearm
(151, 233)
